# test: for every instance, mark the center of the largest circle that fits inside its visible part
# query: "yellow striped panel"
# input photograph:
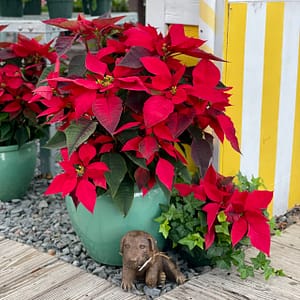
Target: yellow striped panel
(271, 92)
(207, 14)
(207, 23)
(294, 197)
(234, 45)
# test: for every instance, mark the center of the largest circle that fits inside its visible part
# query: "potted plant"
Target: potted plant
(130, 113)
(60, 8)
(99, 7)
(11, 8)
(213, 221)
(32, 7)
(21, 66)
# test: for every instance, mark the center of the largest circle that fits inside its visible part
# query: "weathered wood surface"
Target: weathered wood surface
(26, 274)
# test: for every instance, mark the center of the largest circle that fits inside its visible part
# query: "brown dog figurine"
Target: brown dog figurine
(143, 261)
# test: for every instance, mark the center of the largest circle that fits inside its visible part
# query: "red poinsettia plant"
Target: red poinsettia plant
(211, 221)
(125, 107)
(22, 63)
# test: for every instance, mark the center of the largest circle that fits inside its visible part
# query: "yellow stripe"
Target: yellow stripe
(294, 197)
(234, 23)
(271, 92)
(207, 14)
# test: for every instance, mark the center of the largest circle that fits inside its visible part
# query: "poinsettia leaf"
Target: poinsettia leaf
(201, 151)
(78, 132)
(57, 141)
(93, 64)
(42, 82)
(44, 91)
(64, 43)
(157, 109)
(260, 236)
(86, 194)
(238, 230)
(117, 170)
(108, 111)
(211, 210)
(142, 177)
(148, 146)
(132, 57)
(141, 162)
(77, 65)
(229, 130)
(165, 172)
(124, 196)
(209, 238)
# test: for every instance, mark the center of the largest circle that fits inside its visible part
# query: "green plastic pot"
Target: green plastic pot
(17, 167)
(32, 7)
(99, 7)
(11, 8)
(101, 232)
(60, 8)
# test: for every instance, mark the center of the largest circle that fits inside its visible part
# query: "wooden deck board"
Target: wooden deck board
(26, 274)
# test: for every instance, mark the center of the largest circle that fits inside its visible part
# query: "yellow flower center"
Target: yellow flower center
(173, 90)
(79, 170)
(106, 81)
(164, 47)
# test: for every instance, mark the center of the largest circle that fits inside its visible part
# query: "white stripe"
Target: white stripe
(206, 33)
(288, 91)
(211, 3)
(252, 88)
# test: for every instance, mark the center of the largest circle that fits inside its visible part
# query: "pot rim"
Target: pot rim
(11, 148)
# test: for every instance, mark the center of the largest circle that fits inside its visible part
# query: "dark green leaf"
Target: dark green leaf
(58, 141)
(78, 132)
(124, 196)
(44, 75)
(118, 170)
(77, 65)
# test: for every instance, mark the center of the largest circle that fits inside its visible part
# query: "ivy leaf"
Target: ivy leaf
(164, 228)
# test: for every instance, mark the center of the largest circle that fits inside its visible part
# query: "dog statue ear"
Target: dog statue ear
(152, 243)
(122, 245)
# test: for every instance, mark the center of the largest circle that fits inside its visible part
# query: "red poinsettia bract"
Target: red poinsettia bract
(244, 210)
(81, 176)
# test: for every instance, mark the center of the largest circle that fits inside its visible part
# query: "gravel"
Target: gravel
(43, 222)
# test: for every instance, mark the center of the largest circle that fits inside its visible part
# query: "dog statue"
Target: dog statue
(143, 261)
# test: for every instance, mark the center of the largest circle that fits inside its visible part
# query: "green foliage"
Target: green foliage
(183, 223)
(244, 184)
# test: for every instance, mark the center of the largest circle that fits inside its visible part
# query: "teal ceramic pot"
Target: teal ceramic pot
(101, 232)
(32, 7)
(99, 7)
(60, 8)
(11, 8)
(17, 167)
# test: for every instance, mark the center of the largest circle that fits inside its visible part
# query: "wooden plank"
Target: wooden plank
(80, 287)
(39, 282)
(155, 14)
(10, 248)
(182, 12)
